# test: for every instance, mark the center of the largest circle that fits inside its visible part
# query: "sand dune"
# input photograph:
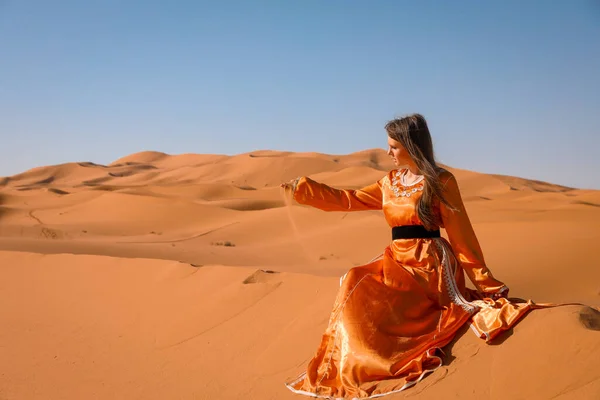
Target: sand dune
(188, 276)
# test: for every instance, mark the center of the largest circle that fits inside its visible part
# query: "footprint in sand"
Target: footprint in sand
(48, 233)
(590, 318)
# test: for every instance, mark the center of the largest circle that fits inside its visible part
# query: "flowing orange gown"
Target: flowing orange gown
(392, 314)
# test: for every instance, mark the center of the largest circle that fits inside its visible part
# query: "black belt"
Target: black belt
(413, 232)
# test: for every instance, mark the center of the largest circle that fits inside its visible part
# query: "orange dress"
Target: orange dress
(392, 314)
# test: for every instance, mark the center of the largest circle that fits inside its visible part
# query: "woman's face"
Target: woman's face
(397, 152)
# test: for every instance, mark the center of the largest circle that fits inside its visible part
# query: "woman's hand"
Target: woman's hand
(291, 185)
(501, 294)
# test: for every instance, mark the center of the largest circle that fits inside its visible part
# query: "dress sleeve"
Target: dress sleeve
(464, 242)
(326, 198)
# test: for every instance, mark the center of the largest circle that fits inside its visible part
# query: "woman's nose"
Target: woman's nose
(389, 151)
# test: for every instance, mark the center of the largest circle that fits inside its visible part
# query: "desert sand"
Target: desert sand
(189, 277)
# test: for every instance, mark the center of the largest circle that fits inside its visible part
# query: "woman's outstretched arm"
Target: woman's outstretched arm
(464, 242)
(319, 195)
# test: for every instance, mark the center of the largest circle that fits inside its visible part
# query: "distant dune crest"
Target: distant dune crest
(262, 168)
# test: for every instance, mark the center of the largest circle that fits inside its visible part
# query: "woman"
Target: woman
(393, 314)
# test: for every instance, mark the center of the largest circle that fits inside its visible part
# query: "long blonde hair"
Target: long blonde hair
(413, 133)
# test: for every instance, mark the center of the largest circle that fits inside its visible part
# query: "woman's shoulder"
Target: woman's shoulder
(448, 181)
(444, 175)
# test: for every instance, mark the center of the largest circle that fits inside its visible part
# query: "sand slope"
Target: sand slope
(101, 327)
(163, 293)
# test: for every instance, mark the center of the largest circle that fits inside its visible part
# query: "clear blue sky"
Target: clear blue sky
(509, 87)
